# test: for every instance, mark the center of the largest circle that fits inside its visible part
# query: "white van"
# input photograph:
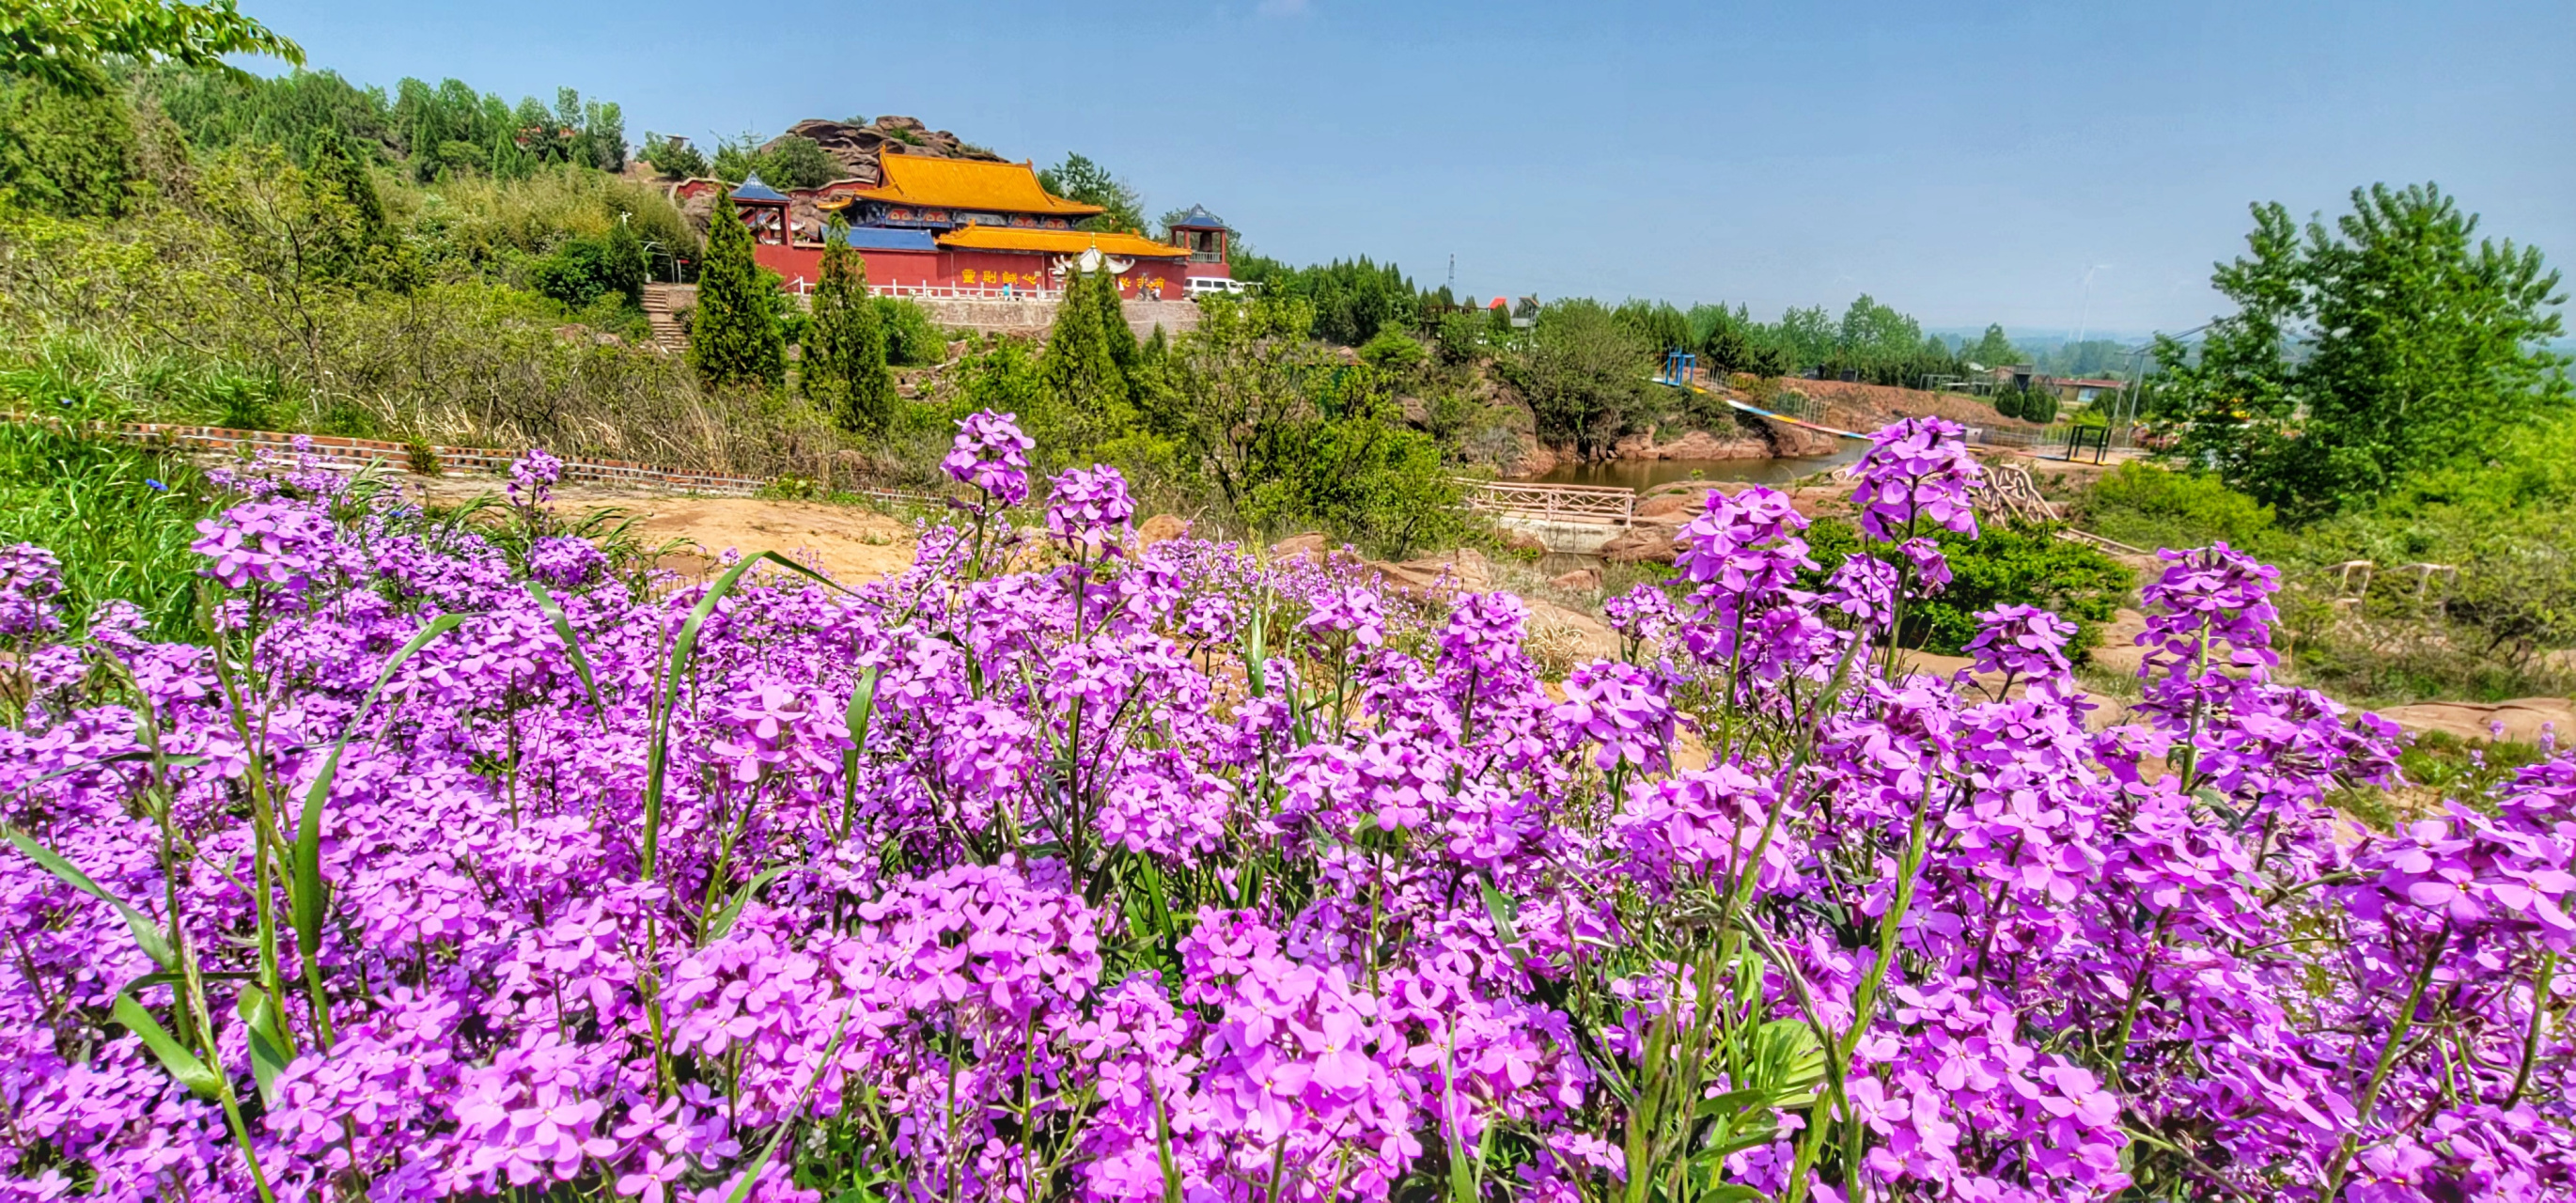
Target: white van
(1201, 286)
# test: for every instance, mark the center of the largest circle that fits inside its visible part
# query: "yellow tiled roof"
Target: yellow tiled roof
(1061, 242)
(968, 184)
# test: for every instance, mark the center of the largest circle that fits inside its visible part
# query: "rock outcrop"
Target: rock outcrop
(858, 148)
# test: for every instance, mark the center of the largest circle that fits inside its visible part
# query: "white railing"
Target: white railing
(1596, 504)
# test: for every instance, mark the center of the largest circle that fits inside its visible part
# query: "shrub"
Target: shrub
(422, 458)
(2147, 506)
(1394, 352)
(912, 339)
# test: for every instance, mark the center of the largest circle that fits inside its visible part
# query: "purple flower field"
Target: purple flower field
(470, 861)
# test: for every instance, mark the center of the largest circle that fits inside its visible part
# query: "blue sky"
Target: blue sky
(1965, 162)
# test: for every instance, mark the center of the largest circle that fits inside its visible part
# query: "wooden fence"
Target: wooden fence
(1599, 505)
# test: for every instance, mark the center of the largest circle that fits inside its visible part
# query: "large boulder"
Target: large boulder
(1647, 541)
(1161, 528)
(1462, 570)
(1312, 543)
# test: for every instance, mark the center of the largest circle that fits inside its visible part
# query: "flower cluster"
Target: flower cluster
(1089, 508)
(533, 476)
(1191, 873)
(30, 578)
(1915, 478)
(991, 454)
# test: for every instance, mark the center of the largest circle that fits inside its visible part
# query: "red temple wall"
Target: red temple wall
(802, 267)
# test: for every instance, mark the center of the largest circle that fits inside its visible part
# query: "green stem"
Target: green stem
(2369, 1101)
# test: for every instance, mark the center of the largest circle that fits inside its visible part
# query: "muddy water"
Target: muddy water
(1643, 474)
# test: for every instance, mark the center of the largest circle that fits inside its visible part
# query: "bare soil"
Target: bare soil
(850, 544)
(1866, 407)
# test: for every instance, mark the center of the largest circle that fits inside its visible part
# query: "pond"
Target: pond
(1644, 474)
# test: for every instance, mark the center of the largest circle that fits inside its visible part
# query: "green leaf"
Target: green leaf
(751, 1173)
(182, 1064)
(268, 1055)
(146, 933)
(306, 856)
(732, 909)
(572, 645)
(1501, 910)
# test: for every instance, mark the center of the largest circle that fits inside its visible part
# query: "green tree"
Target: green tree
(1994, 350)
(1080, 179)
(734, 338)
(1871, 328)
(1109, 308)
(2424, 345)
(844, 371)
(1808, 335)
(1079, 368)
(672, 158)
(1656, 323)
(65, 152)
(1583, 373)
(65, 42)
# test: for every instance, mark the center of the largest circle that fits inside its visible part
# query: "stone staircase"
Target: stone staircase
(659, 302)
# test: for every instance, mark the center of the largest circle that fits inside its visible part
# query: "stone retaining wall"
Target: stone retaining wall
(1035, 316)
(359, 453)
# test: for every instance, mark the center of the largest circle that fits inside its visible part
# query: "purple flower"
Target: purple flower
(30, 579)
(991, 454)
(1916, 471)
(565, 562)
(1089, 508)
(1623, 710)
(281, 544)
(2021, 642)
(533, 476)
(1745, 544)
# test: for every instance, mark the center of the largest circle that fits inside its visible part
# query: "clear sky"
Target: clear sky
(1964, 162)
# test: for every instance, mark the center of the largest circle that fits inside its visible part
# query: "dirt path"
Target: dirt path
(850, 544)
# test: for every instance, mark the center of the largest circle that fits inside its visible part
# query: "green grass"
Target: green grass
(92, 503)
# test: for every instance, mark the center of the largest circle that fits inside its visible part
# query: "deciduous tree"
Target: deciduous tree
(1582, 373)
(2424, 344)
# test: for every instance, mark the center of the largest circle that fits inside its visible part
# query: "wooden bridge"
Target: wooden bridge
(1590, 505)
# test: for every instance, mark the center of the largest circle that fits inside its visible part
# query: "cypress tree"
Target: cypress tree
(1079, 369)
(1113, 323)
(734, 338)
(845, 372)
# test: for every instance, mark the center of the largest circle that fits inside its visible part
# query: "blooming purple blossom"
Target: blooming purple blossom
(279, 544)
(2021, 641)
(30, 578)
(981, 883)
(1915, 478)
(1089, 508)
(991, 454)
(533, 476)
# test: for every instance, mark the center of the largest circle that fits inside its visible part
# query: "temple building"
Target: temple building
(964, 227)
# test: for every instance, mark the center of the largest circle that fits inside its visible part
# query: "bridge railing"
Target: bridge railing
(1597, 504)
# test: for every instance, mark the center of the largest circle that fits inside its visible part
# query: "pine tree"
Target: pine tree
(845, 372)
(734, 338)
(1079, 369)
